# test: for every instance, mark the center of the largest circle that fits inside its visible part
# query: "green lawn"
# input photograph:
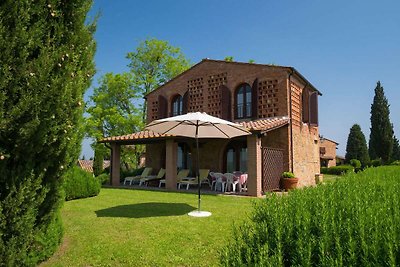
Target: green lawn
(123, 227)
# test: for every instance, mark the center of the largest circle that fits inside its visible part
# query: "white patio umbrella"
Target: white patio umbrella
(197, 125)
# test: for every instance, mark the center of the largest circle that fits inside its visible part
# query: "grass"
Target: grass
(330, 178)
(123, 227)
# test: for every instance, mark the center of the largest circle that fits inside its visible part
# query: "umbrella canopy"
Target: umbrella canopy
(197, 125)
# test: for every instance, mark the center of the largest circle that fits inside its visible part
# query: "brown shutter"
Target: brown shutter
(254, 100)
(185, 102)
(305, 106)
(225, 103)
(314, 109)
(162, 107)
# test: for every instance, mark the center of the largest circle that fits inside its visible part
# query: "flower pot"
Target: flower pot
(289, 183)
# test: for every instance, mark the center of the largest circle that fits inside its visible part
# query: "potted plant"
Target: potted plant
(289, 181)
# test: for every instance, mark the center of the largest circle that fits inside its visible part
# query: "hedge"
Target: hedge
(351, 222)
(337, 170)
(80, 184)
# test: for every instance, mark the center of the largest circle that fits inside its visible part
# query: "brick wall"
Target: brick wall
(203, 82)
(330, 150)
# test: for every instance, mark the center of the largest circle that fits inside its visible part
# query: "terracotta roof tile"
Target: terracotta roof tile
(267, 124)
(87, 165)
(134, 136)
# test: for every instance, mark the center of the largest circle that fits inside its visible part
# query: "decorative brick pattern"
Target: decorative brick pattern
(214, 93)
(268, 98)
(154, 110)
(296, 103)
(196, 99)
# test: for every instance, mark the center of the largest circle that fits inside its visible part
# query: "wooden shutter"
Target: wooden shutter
(305, 106)
(254, 100)
(185, 102)
(314, 109)
(225, 103)
(162, 107)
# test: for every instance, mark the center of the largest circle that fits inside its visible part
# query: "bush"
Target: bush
(337, 170)
(396, 163)
(345, 223)
(376, 163)
(103, 178)
(80, 184)
(355, 163)
(287, 175)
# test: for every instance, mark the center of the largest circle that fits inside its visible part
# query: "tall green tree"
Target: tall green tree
(396, 149)
(113, 111)
(153, 63)
(381, 136)
(46, 64)
(356, 147)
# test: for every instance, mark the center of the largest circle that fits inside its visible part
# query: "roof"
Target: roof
(291, 69)
(261, 125)
(323, 138)
(265, 125)
(87, 165)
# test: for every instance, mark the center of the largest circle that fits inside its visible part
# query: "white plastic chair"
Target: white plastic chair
(231, 181)
(220, 180)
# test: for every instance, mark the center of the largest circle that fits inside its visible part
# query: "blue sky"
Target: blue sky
(342, 47)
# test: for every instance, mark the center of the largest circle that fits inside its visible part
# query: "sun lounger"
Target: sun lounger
(159, 176)
(193, 181)
(132, 179)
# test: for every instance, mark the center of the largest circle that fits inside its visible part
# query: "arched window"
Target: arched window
(243, 102)
(177, 105)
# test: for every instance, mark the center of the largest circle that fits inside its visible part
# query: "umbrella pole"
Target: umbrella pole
(198, 170)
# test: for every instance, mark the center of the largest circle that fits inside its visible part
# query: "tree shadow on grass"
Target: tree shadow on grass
(145, 210)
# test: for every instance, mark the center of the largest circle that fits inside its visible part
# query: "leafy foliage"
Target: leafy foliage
(353, 221)
(396, 149)
(355, 163)
(46, 66)
(337, 170)
(381, 136)
(80, 184)
(287, 175)
(113, 112)
(153, 63)
(356, 147)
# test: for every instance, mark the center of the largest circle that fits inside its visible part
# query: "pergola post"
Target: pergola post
(115, 164)
(254, 162)
(171, 149)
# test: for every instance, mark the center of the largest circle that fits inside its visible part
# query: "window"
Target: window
(184, 157)
(243, 102)
(177, 105)
(236, 157)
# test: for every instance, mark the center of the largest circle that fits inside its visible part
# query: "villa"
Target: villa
(276, 103)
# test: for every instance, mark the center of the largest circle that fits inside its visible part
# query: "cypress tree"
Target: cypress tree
(356, 147)
(396, 149)
(46, 64)
(381, 136)
(98, 160)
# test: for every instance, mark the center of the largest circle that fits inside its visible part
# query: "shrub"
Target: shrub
(355, 163)
(337, 170)
(396, 163)
(80, 184)
(287, 175)
(376, 163)
(346, 223)
(103, 178)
